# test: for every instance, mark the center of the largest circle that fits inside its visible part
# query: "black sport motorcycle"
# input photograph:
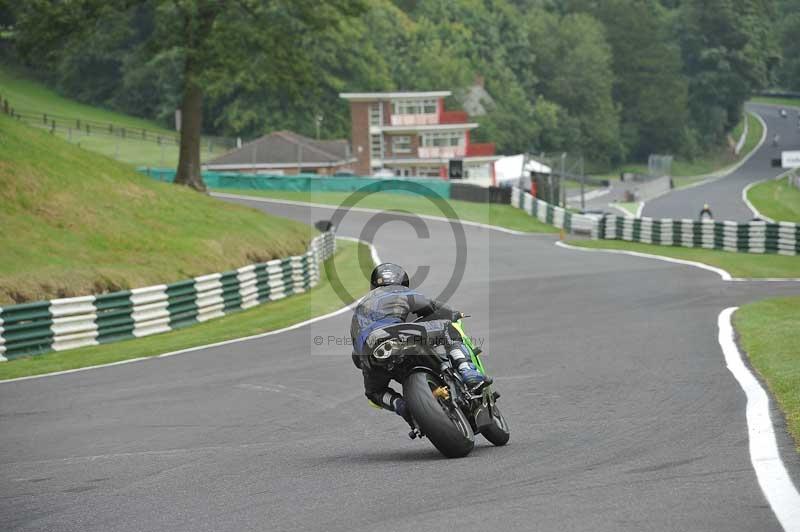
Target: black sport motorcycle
(443, 408)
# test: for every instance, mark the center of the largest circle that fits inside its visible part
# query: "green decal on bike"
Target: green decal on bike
(467, 341)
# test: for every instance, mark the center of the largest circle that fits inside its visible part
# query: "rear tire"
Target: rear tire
(449, 431)
(497, 433)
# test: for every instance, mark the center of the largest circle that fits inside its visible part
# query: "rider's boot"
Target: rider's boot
(470, 374)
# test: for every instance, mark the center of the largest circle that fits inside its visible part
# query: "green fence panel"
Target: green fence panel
(230, 291)
(182, 303)
(114, 316)
(27, 329)
(313, 183)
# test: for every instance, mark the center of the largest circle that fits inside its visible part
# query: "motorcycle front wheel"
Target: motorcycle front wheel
(447, 427)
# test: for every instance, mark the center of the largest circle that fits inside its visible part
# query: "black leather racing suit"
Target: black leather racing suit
(383, 306)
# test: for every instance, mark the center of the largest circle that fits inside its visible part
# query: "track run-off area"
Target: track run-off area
(623, 412)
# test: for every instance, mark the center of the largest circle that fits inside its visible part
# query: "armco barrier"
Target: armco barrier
(62, 324)
(751, 237)
(554, 215)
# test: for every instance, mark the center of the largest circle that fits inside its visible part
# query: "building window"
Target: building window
(375, 112)
(401, 144)
(443, 138)
(428, 172)
(414, 107)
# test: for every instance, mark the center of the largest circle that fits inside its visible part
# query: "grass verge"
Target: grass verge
(629, 206)
(76, 223)
(775, 100)
(737, 264)
(778, 199)
(268, 317)
(487, 213)
(769, 332)
(29, 97)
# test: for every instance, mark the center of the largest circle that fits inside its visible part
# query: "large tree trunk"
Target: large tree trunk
(191, 123)
(197, 27)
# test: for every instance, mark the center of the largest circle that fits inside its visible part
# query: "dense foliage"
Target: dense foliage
(615, 80)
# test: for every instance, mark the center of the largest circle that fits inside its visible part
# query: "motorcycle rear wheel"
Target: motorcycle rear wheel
(448, 429)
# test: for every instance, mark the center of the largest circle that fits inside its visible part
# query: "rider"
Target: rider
(390, 301)
(706, 212)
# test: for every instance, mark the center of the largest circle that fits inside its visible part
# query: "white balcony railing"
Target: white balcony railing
(415, 120)
(430, 152)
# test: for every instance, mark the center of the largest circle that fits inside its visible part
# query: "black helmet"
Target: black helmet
(388, 274)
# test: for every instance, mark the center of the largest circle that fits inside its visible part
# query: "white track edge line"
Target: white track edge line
(726, 276)
(373, 211)
(750, 205)
(625, 212)
(719, 271)
(774, 479)
(375, 258)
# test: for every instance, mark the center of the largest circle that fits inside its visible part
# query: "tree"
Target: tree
(788, 74)
(727, 52)
(573, 67)
(649, 86)
(218, 42)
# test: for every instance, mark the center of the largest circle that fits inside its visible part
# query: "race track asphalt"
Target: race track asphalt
(623, 414)
(724, 196)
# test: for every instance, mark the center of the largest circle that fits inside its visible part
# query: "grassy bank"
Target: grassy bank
(737, 264)
(778, 199)
(769, 332)
(487, 213)
(270, 316)
(29, 97)
(76, 223)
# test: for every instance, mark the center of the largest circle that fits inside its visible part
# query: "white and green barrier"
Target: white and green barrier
(554, 215)
(61, 324)
(750, 237)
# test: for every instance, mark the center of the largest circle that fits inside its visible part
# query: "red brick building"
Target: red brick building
(411, 134)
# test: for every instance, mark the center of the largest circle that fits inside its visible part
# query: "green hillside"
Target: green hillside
(34, 102)
(76, 223)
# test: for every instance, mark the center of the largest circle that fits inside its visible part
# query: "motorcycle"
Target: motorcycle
(443, 408)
